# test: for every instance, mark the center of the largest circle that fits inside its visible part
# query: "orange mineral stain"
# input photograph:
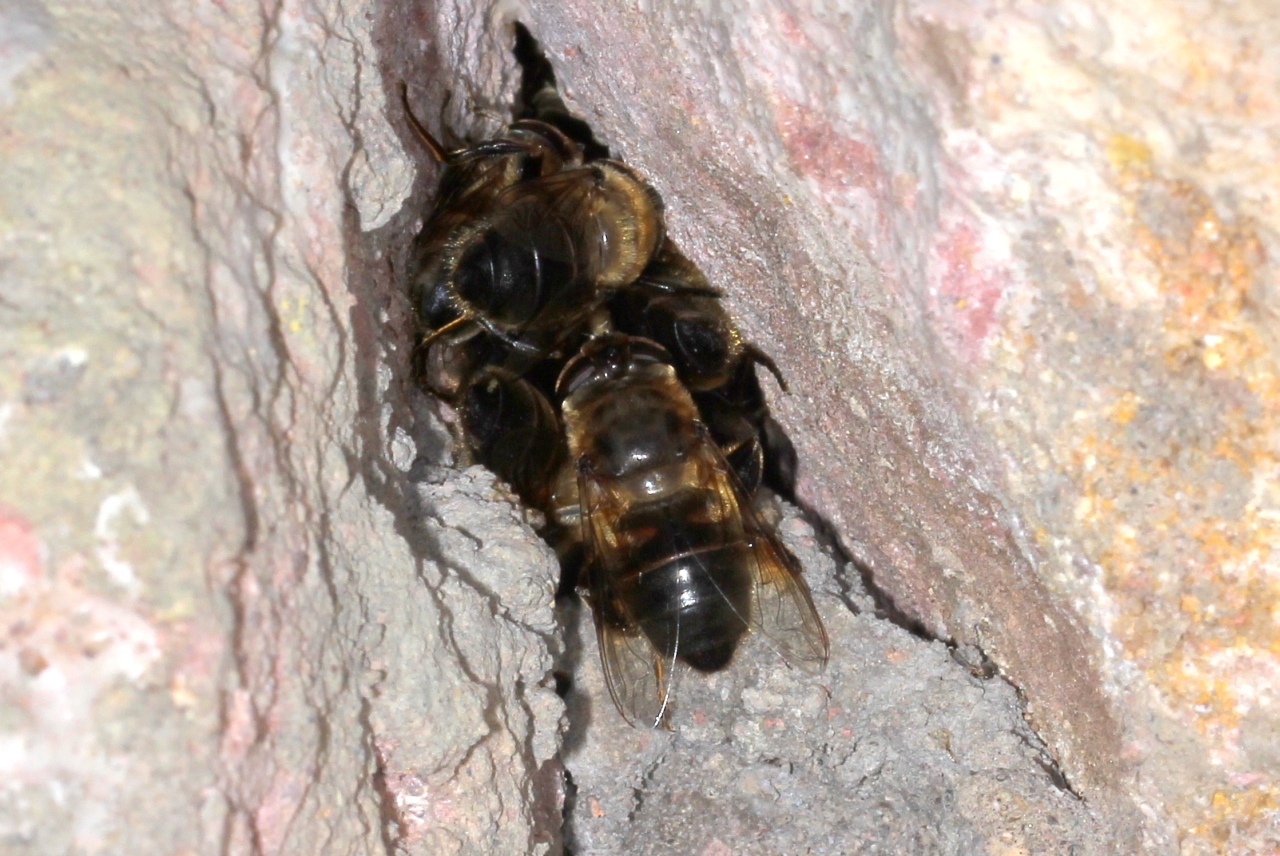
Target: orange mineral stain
(1176, 482)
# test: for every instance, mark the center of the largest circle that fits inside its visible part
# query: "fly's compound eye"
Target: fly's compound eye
(578, 373)
(605, 358)
(643, 352)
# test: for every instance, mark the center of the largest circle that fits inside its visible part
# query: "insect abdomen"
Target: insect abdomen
(687, 589)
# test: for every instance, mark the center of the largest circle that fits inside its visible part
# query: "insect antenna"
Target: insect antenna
(438, 151)
(760, 358)
(437, 333)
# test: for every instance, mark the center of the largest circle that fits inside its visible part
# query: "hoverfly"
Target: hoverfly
(529, 232)
(678, 566)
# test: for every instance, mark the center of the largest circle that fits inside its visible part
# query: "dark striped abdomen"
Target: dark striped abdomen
(686, 588)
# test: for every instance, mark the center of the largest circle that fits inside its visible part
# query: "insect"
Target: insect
(678, 565)
(529, 233)
(673, 304)
(594, 368)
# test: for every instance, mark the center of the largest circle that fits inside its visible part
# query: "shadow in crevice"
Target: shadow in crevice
(381, 330)
(578, 707)
(852, 572)
(391, 407)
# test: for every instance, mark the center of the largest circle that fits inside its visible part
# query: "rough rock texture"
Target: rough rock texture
(1104, 264)
(1013, 260)
(897, 748)
(231, 623)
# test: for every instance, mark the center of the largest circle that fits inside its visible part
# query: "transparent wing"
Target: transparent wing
(783, 611)
(568, 193)
(640, 682)
(613, 218)
(785, 614)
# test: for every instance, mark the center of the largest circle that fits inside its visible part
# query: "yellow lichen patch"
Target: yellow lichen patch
(1125, 408)
(293, 313)
(1229, 808)
(1128, 155)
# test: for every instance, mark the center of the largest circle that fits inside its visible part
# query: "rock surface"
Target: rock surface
(897, 747)
(1015, 262)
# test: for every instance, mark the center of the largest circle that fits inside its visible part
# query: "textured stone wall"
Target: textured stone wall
(1014, 261)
